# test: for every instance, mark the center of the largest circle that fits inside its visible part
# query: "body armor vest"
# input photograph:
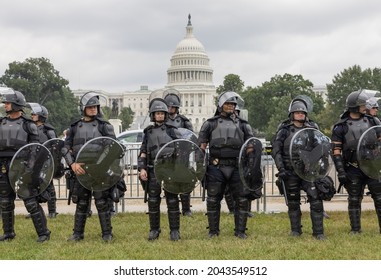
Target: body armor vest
(226, 139)
(12, 136)
(355, 129)
(287, 143)
(176, 122)
(84, 132)
(42, 136)
(157, 138)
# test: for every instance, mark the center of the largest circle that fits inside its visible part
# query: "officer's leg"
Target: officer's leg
(317, 217)
(154, 200)
(82, 200)
(185, 204)
(7, 204)
(375, 190)
(355, 191)
(103, 207)
(293, 196)
(38, 218)
(52, 202)
(173, 215)
(240, 217)
(213, 206)
(229, 201)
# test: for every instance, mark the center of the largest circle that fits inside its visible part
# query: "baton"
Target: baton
(145, 187)
(284, 191)
(339, 188)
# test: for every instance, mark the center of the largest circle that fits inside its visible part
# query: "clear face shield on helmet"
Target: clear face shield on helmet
(231, 97)
(89, 99)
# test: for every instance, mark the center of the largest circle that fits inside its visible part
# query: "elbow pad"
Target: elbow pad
(142, 163)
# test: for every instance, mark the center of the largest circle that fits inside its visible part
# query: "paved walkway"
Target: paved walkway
(273, 205)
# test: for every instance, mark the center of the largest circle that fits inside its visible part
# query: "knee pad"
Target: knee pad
(213, 204)
(172, 202)
(7, 204)
(354, 202)
(83, 205)
(31, 205)
(214, 188)
(316, 205)
(101, 204)
(293, 205)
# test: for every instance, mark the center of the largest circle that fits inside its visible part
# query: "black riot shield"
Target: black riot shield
(103, 161)
(310, 153)
(369, 152)
(54, 146)
(178, 165)
(31, 170)
(250, 164)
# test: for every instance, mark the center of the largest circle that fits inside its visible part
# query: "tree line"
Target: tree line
(267, 104)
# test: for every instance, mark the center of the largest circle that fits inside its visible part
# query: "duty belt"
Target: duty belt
(224, 161)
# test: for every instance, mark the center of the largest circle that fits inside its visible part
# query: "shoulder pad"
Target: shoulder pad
(149, 127)
(183, 117)
(48, 126)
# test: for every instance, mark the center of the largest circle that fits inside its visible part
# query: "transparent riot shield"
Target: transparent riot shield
(179, 165)
(103, 161)
(250, 164)
(54, 146)
(310, 153)
(31, 170)
(369, 152)
(187, 134)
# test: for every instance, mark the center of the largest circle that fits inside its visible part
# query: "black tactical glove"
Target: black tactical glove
(342, 176)
(284, 174)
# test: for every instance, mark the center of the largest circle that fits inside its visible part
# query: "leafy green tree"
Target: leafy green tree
(268, 104)
(347, 81)
(126, 115)
(232, 82)
(40, 82)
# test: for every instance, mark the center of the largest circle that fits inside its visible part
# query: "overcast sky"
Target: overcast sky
(118, 45)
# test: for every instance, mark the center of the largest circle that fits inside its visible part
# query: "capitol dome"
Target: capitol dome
(190, 63)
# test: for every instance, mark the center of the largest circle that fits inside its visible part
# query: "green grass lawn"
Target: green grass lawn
(268, 240)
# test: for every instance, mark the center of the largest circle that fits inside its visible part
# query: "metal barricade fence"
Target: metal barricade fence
(135, 191)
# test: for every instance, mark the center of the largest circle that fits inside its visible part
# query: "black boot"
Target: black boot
(8, 218)
(240, 218)
(79, 226)
(317, 218)
(185, 204)
(355, 220)
(296, 222)
(173, 218)
(213, 213)
(105, 221)
(40, 224)
(154, 218)
(52, 202)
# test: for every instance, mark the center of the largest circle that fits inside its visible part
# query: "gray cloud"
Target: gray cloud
(118, 45)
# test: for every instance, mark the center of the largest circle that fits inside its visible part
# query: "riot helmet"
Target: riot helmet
(230, 97)
(40, 111)
(371, 103)
(356, 99)
(171, 97)
(16, 98)
(157, 105)
(89, 99)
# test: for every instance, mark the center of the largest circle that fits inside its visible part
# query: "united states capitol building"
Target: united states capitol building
(189, 73)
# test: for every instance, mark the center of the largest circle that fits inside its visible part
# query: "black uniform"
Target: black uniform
(14, 134)
(347, 133)
(294, 184)
(184, 122)
(79, 133)
(225, 136)
(156, 136)
(46, 132)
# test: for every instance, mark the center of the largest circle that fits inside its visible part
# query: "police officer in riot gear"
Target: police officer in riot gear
(372, 106)
(225, 133)
(45, 132)
(298, 120)
(177, 120)
(345, 137)
(16, 131)
(156, 136)
(90, 126)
